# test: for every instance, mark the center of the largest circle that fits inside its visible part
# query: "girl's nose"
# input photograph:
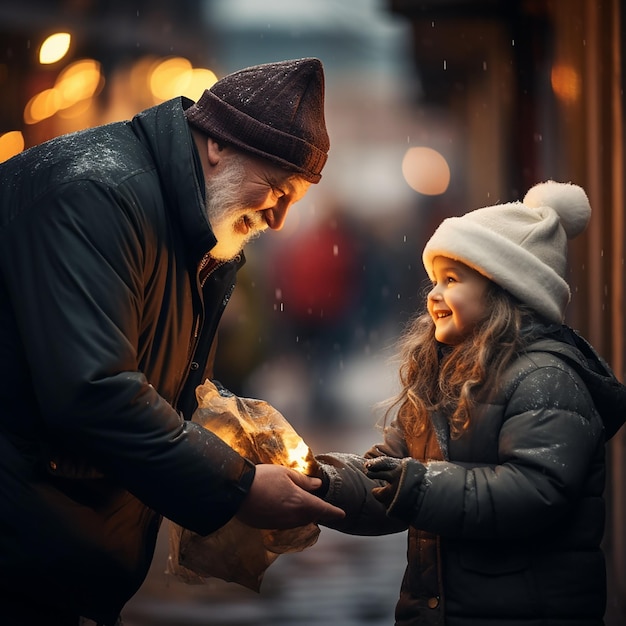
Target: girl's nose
(434, 294)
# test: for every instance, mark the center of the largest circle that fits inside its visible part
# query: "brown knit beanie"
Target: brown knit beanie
(275, 111)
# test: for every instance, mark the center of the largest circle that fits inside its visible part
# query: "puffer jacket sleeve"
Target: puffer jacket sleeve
(77, 286)
(548, 438)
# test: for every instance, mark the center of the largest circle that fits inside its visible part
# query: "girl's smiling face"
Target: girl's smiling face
(457, 300)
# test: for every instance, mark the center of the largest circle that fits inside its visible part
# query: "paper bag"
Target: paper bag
(237, 552)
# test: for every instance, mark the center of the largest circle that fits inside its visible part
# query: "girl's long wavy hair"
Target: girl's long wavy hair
(434, 377)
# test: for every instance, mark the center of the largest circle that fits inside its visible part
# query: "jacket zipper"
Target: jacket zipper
(204, 262)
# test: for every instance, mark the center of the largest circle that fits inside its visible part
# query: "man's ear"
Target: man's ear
(214, 151)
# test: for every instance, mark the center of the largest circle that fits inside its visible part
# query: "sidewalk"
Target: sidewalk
(341, 580)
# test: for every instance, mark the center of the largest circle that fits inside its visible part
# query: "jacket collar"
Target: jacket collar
(165, 131)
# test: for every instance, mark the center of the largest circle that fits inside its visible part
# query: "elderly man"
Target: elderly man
(119, 247)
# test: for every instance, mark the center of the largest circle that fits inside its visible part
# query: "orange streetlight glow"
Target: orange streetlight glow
(175, 76)
(11, 143)
(54, 48)
(77, 83)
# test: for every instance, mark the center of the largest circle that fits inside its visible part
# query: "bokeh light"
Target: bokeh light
(54, 48)
(78, 82)
(426, 171)
(200, 80)
(42, 106)
(11, 143)
(169, 76)
(566, 83)
(175, 76)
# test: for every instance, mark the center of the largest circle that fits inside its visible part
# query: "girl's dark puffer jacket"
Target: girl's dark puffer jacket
(106, 325)
(507, 524)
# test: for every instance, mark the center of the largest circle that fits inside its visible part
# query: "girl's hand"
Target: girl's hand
(403, 478)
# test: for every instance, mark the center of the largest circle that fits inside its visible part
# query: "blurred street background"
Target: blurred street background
(434, 107)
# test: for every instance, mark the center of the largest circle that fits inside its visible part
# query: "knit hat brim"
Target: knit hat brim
(274, 111)
(490, 254)
(226, 123)
(521, 246)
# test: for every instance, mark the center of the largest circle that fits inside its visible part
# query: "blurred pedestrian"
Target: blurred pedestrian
(119, 247)
(322, 292)
(495, 457)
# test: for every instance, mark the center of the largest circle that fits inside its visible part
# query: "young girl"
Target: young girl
(494, 459)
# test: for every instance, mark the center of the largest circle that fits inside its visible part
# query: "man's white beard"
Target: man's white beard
(225, 211)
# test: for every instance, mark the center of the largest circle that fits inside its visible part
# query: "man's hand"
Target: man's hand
(279, 498)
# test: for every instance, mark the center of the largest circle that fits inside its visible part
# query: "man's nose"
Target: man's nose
(275, 217)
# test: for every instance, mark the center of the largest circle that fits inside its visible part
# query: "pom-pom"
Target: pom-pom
(569, 201)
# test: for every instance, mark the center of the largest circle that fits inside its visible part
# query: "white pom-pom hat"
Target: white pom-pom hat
(521, 246)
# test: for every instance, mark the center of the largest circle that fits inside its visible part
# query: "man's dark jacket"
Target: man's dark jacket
(107, 318)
